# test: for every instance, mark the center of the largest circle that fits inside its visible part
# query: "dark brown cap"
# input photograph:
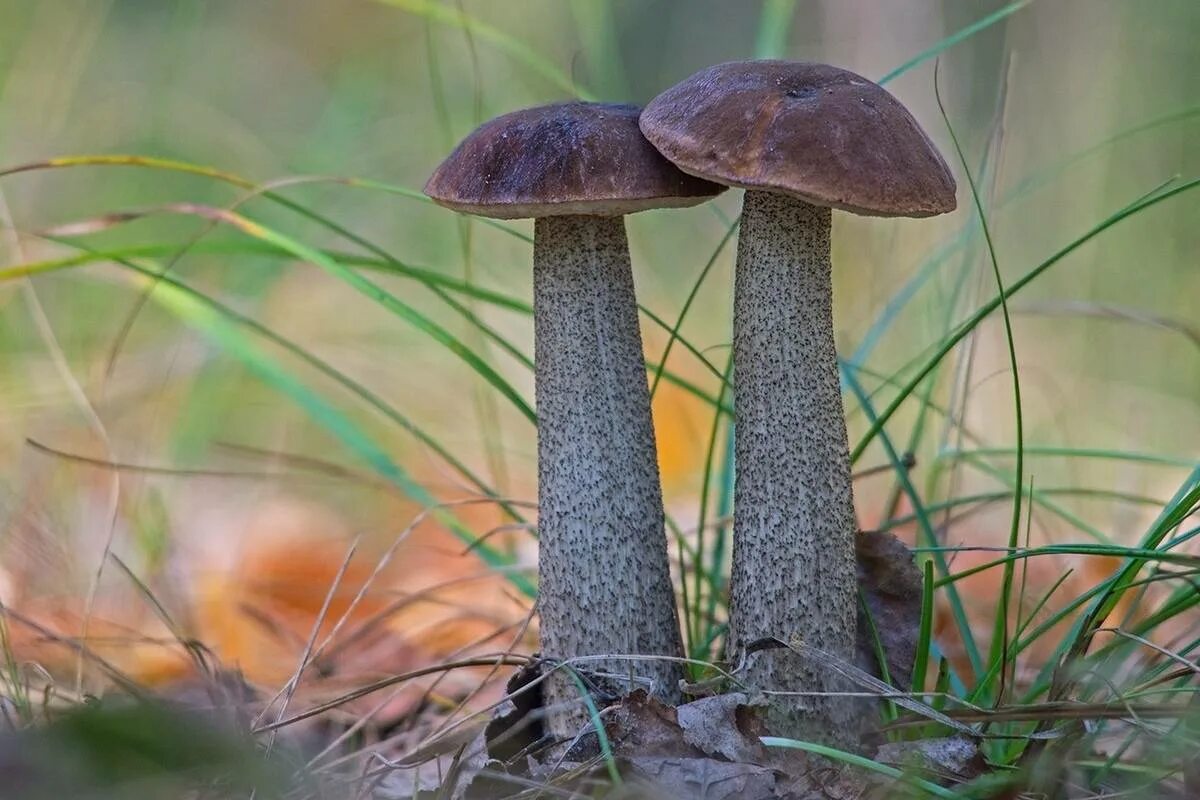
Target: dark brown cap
(571, 158)
(820, 133)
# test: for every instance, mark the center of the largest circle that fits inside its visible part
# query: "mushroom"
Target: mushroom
(801, 139)
(603, 571)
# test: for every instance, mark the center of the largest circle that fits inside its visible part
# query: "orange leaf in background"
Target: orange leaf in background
(427, 603)
(682, 425)
(255, 611)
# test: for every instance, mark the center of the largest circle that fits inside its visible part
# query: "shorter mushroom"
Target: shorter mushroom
(604, 576)
(801, 139)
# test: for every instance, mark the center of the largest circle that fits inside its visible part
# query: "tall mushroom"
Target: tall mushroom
(801, 139)
(604, 576)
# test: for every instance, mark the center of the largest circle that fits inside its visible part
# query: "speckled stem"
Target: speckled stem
(793, 551)
(604, 577)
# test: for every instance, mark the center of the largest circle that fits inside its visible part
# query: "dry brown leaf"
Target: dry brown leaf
(641, 726)
(892, 586)
(724, 726)
(704, 778)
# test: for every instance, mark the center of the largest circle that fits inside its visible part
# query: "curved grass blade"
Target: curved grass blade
(363, 286)
(724, 511)
(1039, 497)
(376, 402)
(925, 527)
(1183, 600)
(988, 164)
(416, 318)
(1136, 554)
(233, 179)
(1178, 509)
(1035, 496)
(261, 249)
(924, 631)
(925, 272)
(704, 623)
(1000, 627)
(666, 326)
(424, 275)
(995, 497)
(585, 697)
(1149, 200)
(413, 194)
(125, 160)
(954, 38)
(506, 43)
(853, 759)
(369, 397)
(687, 304)
(1055, 451)
(179, 166)
(190, 308)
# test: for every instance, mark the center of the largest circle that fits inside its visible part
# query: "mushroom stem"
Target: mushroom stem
(604, 576)
(794, 525)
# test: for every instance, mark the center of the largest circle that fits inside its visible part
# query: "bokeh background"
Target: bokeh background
(236, 505)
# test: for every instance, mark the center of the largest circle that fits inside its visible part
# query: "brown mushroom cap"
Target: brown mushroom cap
(570, 158)
(825, 135)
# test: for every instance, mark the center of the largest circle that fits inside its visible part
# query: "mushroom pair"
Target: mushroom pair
(801, 139)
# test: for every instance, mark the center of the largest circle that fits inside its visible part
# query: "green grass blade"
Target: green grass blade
(687, 304)
(704, 622)
(1002, 496)
(1056, 451)
(958, 36)
(691, 348)
(125, 160)
(233, 179)
(724, 510)
(222, 331)
(585, 697)
(424, 275)
(853, 759)
(941, 256)
(925, 631)
(773, 24)
(1135, 554)
(1132, 209)
(924, 526)
(504, 42)
(1000, 627)
(413, 194)
(1178, 508)
(365, 287)
(354, 387)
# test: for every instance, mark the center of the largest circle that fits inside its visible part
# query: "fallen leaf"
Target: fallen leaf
(723, 725)
(705, 778)
(640, 726)
(515, 726)
(892, 585)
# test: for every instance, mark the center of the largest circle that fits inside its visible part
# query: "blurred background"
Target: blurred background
(168, 472)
